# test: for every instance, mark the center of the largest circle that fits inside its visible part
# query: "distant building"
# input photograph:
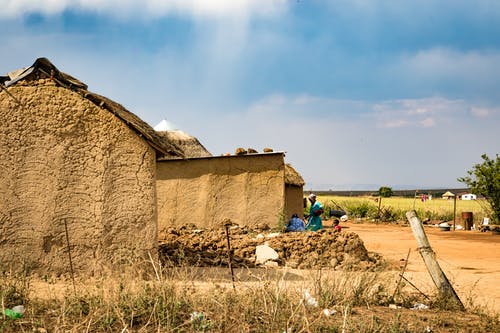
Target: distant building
(448, 195)
(468, 196)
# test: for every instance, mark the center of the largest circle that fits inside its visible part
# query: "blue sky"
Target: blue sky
(359, 93)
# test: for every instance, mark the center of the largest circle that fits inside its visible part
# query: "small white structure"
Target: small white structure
(448, 195)
(468, 196)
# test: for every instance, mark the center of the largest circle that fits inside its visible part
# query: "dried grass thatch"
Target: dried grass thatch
(189, 145)
(448, 194)
(292, 177)
(43, 68)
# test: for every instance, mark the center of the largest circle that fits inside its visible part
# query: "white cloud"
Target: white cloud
(425, 112)
(154, 8)
(481, 112)
(477, 67)
(305, 106)
(396, 123)
(428, 122)
(422, 106)
(390, 114)
(419, 110)
(353, 147)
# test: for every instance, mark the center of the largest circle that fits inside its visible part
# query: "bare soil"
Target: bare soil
(470, 259)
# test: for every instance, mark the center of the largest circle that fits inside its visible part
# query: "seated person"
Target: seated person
(336, 225)
(295, 224)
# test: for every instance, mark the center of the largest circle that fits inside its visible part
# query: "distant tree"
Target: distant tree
(385, 192)
(484, 179)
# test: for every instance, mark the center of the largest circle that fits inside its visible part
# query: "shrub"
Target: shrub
(484, 179)
(385, 192)
(360, 209)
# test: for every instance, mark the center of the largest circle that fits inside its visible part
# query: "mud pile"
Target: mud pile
(208, 247)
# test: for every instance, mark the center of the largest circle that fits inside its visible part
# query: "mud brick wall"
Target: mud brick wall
(63, 158)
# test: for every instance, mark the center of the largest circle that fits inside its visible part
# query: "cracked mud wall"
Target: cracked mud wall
(246, 189)
(65, 159)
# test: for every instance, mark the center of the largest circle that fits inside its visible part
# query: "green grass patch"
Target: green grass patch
(394, 208)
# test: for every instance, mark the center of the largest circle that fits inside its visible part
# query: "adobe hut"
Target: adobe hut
(248, 189)
(77, 161)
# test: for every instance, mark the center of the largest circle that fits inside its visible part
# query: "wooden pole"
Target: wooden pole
(229, 256)
(454, 212)
(429, 257)
(8, 93)
(414, 199)
(69, 255)
(379, 204)
(401, 274)
(414, 286)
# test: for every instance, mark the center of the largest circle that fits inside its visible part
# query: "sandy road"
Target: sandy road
(470, 259)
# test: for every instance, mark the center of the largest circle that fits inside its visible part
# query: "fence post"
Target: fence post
(227, 224)
(429, 257)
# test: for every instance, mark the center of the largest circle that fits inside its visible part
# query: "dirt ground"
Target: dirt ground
(470, 259)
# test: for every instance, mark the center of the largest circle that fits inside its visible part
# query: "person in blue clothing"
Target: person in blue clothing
(314, 221)
(295, 224)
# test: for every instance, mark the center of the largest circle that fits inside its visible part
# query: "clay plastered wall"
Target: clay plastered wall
(247, 189)
(65, 159)
(294, 200)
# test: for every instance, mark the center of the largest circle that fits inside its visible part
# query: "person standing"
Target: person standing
(314, 221)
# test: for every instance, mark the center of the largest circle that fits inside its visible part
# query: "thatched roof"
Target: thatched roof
(43, 68)
(448, 194)
(292, 177)
(189, 145)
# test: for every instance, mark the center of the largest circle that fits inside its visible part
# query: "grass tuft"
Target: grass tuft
(178, 301)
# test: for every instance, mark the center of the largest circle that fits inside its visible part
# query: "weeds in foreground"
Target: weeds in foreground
(174, 302)
(16, 291)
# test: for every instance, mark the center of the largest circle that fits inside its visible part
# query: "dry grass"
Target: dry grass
(190, 300)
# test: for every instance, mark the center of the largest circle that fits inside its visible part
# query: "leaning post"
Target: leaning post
(379, 206)
(429, 257)
(227, 223)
